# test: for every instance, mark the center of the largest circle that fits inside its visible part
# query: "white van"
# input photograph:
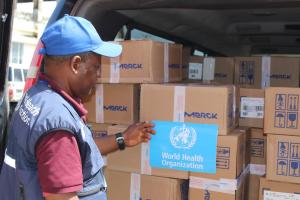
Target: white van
(16, 82)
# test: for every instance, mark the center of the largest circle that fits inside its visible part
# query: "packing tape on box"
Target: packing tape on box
(135, 186)
(179, 104)
(32, 71)
(99, 104)
(271, 195)
(166, 62)
(145, 159)
(114, 70)
(266, 71)
(256, 169)
(228, 186)
(209, 68)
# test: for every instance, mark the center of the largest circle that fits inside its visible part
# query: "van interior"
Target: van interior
(216, 28)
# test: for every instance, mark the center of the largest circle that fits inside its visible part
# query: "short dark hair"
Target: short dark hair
(84, 56)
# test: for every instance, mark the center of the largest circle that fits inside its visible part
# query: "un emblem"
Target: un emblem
(183, 137)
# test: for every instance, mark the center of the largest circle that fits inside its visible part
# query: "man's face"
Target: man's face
(87, 76)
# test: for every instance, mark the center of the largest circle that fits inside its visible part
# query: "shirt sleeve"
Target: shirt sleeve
(59, 163)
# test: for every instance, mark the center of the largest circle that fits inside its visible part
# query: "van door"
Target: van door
(6, 12)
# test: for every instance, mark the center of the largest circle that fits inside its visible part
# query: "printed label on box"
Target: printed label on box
(288, 159)
(270, 195)
(286, 114)
(257, 147)
(195, 71)
(246, 72)
(252, 107)
(184, 146)
(209, 68)
(223, 157)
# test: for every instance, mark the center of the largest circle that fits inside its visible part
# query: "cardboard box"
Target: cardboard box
(252, 187)
(99, 131)
(136, 159)
(229, 189)
(278, 190)
(128, 186)
(200, 194)
(283, 158)
(251, 107)
(260, 72)
(186, 53)
(113, 103)
(143, 61)
(284, 72)
(230, 157)
(189, 103)
(282, 111)
(258, 147)
(223, 69)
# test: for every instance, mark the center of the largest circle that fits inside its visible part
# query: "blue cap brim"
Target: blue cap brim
(109, 49)
(42, 51)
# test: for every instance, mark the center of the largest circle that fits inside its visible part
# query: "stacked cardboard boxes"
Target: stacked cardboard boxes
(143, 61)
(221, 68)
(257, 148)
(229, 181)
(281, 125)
(114, 104)
(265, 71)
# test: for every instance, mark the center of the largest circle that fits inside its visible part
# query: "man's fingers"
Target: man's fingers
(149, 130)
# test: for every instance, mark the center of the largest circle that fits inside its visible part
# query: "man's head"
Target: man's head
(72, 48)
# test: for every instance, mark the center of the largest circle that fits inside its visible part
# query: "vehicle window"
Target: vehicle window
(198, 53)
(10, 78)
(137, 34)
(18, 75)
(17, 52)
(25, 73)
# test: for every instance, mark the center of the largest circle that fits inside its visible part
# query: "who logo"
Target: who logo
(183, 137)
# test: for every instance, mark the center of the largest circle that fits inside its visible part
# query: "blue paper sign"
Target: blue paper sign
(184, 146)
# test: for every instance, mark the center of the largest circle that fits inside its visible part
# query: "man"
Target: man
(51, 153)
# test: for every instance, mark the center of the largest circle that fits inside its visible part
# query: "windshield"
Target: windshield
(18, 75)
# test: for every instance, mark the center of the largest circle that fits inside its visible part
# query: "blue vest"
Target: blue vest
(41, 111)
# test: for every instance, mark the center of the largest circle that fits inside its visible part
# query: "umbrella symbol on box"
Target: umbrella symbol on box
(280, 116)
(282, 165)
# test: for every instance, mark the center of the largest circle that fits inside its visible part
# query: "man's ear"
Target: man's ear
(75, 63)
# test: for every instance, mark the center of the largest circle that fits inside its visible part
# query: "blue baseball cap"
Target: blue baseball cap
(71, 35)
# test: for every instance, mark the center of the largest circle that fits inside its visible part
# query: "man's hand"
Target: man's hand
(138, 133)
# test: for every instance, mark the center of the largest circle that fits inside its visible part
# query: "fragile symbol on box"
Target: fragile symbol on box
(286, 115)
(282, 167)
(294, 168)
(257, 147)
(290, 166)
(292, 120)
